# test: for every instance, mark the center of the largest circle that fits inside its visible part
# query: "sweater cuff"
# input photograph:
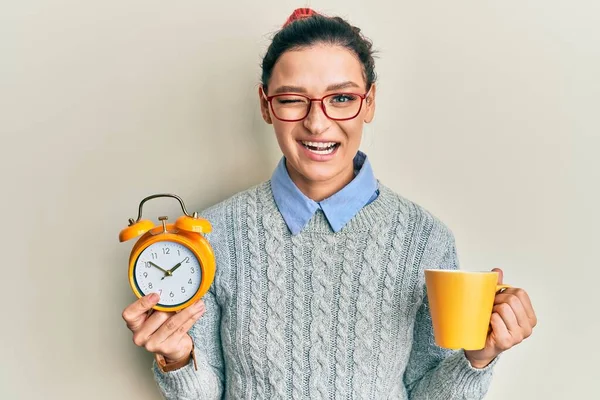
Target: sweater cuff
(187, 383)
(474, 382)
(182, 380)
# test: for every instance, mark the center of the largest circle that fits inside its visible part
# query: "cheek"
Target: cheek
(284, 133)
(352, 129)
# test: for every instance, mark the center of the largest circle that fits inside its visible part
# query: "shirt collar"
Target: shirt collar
(341, 207)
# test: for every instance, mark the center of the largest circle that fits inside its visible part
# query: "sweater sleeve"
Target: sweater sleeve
(207, 382)
(437, 373)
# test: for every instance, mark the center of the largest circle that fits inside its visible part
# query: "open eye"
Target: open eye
(342, 98)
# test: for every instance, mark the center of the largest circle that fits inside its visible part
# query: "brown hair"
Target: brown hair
(304, 28)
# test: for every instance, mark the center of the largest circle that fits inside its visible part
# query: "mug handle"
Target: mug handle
(501, 288)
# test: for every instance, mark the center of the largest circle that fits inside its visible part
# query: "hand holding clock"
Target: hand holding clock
(160, 323)
(165, 332)
(161, 332)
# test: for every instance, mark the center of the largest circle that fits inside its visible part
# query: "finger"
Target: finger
(149, 326)
(176, 347)
(183, 332)
(135, 314)
(510, 320)
(518, 309)
(524, 297)
(169, 346)
(526, 301)
(174, 323)
(500, 274)
(502, 337)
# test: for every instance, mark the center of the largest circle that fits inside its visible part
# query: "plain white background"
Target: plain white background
(487, 115)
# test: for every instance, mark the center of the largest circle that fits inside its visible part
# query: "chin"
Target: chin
(318, 169)
(318, 173)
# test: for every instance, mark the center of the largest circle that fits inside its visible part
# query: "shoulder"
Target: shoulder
(225, 216)
(420, 219)
(218, 211)
(433, 240)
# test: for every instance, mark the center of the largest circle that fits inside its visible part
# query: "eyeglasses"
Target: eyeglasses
(295, 107)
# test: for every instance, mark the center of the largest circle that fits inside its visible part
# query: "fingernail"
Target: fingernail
(154, 297)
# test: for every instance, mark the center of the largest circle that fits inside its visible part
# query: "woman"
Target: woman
(320, 289)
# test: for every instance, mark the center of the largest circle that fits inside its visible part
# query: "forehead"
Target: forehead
(317, 67)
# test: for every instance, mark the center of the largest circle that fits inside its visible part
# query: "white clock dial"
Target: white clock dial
(169, 269)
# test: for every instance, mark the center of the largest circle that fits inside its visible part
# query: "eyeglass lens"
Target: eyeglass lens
(337, 106)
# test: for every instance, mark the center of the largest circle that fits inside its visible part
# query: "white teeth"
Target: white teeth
(320, 148)
(319, 145)
(329, 151)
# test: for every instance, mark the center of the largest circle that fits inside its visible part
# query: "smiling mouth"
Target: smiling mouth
(320, 147)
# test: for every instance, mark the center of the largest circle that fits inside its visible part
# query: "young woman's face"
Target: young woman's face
(315, 72)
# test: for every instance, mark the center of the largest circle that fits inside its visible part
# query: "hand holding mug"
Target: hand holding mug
(512, 321)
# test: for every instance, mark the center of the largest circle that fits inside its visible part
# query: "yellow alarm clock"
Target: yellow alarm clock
(174, 260)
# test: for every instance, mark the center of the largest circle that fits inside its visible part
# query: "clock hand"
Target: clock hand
(166, 272)
(170, 272)
(178, 264)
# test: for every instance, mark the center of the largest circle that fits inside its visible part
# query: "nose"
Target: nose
(316, 121)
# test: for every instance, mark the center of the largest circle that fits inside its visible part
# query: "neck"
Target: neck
(320, 190)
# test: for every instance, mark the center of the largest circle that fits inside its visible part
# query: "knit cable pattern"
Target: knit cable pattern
(343, 328)
(276, 307)
(256, 288)
(323, 258)
(298, 339)
(365, 324)
(387, 306)
(323, 315)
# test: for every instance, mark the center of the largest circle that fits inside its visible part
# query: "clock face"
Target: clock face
(169, 269)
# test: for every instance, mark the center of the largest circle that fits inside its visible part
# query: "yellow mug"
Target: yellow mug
(461, 305)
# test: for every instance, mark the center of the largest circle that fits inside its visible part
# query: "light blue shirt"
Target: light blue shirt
(297, 209)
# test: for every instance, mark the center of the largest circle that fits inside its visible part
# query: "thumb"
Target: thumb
(500, 274)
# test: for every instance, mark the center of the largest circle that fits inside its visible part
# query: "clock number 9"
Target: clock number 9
(145, 274)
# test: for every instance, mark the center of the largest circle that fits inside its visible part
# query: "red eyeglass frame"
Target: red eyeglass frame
(310, 101)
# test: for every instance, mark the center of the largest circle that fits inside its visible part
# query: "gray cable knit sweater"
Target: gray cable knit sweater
(323, 315)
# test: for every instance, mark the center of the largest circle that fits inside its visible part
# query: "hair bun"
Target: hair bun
(300, 13)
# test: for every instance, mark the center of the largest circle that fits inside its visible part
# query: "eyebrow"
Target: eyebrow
(299, 89)
(342, 85)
